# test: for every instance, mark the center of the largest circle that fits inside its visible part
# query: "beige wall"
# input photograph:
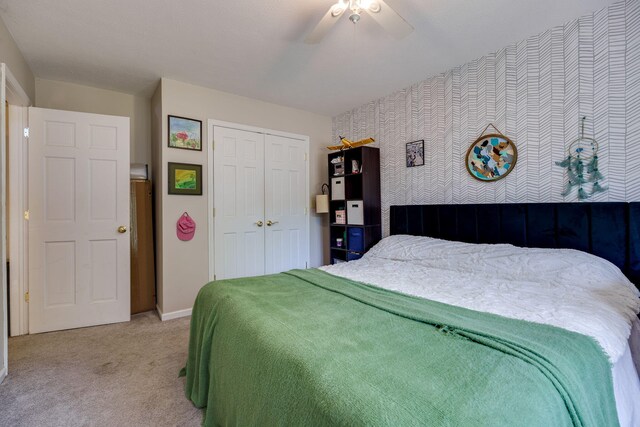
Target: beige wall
(86, 99)
(185, 267)
(11, 55)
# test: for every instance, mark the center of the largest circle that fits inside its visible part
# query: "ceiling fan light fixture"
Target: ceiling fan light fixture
(364, 4)
(380, 11)
(337, 9)
(373, 6)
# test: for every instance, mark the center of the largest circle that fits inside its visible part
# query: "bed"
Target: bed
(457, 327)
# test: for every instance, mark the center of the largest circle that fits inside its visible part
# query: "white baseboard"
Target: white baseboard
(173, 314)
(3, 374)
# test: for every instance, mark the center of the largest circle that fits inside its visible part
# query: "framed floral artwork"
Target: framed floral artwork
(185, 133)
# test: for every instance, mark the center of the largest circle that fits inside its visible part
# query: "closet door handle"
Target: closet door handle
(270, 223)
(259, 223)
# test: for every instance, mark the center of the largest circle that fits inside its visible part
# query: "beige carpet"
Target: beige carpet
(116, 375)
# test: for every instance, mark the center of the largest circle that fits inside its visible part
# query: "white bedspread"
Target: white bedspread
(560, 287)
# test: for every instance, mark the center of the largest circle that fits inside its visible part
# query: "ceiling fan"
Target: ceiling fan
(378, 9)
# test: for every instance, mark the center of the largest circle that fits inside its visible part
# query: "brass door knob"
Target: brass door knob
(270, 223)
(259, 223)
(122, 229)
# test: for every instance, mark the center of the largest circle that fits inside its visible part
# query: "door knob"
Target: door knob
(270, 223)
(122, 229)
(259, 223)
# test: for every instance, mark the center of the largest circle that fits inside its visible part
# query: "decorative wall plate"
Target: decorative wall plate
(491, 157)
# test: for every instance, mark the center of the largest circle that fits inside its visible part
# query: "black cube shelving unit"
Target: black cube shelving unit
(360, 195)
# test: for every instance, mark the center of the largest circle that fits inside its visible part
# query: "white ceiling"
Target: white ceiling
(256, 49)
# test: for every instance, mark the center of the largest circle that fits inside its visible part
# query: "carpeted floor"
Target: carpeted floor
(115, 375)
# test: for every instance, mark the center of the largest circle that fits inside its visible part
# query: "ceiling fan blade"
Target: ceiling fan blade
(390, 20)
(330, 18)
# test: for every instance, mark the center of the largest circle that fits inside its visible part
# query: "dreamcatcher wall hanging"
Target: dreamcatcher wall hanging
(582, 167)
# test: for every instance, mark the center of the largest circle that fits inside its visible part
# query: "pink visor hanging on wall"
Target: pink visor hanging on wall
(185, 227)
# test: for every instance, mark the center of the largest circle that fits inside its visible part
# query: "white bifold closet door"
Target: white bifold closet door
(238, 198)
(286, 216)
(261, 223)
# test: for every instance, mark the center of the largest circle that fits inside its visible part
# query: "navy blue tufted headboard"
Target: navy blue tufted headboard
(608, 230)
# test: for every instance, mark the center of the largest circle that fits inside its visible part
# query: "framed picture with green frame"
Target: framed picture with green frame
(185, 179)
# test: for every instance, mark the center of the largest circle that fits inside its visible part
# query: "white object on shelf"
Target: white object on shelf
(355, 214)
(337, 188)
(138, 171)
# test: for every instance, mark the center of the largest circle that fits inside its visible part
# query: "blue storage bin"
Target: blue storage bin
(355, 239)
(352, 256)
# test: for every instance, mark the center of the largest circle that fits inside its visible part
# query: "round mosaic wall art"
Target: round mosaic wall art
(491, 157)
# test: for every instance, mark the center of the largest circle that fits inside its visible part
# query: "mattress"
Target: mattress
(565, 288)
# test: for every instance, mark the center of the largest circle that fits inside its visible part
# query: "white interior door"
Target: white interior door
(286, 210)
(238, 180)
(4, 344)
(78, 199)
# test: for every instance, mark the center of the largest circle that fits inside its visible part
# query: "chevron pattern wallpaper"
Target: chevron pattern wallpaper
(535, 92)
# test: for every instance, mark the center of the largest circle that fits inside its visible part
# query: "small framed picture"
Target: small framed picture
(185, 178)
(415, 153)
(185, 133)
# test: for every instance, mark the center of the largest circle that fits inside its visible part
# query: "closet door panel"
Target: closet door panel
(286, 213)
(238, 159)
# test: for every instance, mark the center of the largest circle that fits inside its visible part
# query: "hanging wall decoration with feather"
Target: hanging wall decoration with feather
(581, 164)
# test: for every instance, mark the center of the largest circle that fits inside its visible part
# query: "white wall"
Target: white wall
(11, 55)
(183, 266)
(534, 91)
(86, 99)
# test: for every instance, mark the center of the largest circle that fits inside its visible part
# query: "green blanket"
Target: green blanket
(308, 348)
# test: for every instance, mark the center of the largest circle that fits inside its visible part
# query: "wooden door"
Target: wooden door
(143, 291)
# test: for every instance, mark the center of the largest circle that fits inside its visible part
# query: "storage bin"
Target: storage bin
(355, 214)
(337, 188)
(352, 256)
(355, 239)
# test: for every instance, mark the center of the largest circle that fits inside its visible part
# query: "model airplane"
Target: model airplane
(346, 144)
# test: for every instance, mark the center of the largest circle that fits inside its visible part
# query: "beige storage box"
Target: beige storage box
(355, 215)
(337, 188)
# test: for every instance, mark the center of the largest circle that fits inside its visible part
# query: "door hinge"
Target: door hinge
(306, 156)
(213, 211)
(26, 132)
(306, 265)
(26, 297)
(26, 215)
(306, 211)
(213, 145)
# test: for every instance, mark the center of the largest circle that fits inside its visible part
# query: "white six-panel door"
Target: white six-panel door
(286, 216)
(238, 175)
(78, 202)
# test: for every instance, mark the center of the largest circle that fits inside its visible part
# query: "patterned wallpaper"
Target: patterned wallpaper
(535, 92)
